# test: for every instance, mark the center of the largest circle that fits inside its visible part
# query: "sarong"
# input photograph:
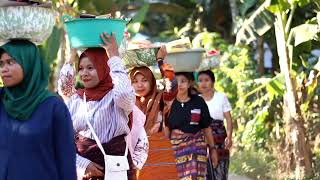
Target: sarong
(160, 164)
(219, 134)
(191, 155)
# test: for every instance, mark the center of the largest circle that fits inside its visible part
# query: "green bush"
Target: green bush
(255, 164)
(317, 164)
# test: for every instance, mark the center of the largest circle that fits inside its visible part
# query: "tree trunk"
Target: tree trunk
(260, 50)
(234, 11)
(297, 152)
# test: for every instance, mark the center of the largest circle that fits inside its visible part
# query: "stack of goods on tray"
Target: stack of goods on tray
(141, 53)
(182, 56)
(25, 19)
(85, 31)
(211, 60)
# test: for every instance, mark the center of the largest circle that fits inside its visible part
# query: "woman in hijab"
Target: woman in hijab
(152, 101)
(149, 98)
(36, 134)
(110, 99)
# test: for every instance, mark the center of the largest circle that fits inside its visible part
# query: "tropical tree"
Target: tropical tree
(297, 159)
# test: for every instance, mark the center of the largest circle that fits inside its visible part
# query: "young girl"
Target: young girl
(189, 125)
(219, 108)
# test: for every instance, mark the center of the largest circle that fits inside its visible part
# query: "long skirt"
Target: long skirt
(160, 164)
(219, 134)
(89, 149)
(191, 155)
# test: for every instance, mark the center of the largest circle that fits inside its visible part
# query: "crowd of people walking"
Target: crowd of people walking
(115, 113)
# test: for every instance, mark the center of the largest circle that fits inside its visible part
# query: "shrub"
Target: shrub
(255, 164)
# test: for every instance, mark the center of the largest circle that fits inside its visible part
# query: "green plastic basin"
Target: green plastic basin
(85, 32)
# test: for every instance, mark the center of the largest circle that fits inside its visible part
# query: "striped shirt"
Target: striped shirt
(109, 116)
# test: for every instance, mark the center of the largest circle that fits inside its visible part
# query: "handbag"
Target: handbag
(116, 167)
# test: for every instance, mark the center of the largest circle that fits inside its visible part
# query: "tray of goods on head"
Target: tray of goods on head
(182, 57)
(210, 61)
(140, 53)
(85, 31)
(26, 20)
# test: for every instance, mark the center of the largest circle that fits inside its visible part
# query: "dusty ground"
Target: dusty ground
(236, 177)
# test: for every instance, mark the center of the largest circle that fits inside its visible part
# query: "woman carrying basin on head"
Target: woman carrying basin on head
(152, 101)
(110, 99)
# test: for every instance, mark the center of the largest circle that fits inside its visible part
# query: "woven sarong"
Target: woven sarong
(191, 155)
(219, 135)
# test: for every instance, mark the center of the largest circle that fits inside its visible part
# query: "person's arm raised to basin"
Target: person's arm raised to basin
(167, 72)
(124, 95)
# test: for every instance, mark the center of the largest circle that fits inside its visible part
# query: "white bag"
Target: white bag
(116, 167)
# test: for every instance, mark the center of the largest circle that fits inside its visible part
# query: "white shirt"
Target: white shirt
(218, 105)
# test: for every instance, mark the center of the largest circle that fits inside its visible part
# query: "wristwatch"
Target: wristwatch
(160, 61)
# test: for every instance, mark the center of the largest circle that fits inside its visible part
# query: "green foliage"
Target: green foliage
(268, 96)
(317, 163)
(302, 3)
(309, 32)
(137, 20)
(140, 16)
(260, 21)
(49, 49)
(246, 5)
(253, 163)
(279, 6)
(263, 110)
(96, 6)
